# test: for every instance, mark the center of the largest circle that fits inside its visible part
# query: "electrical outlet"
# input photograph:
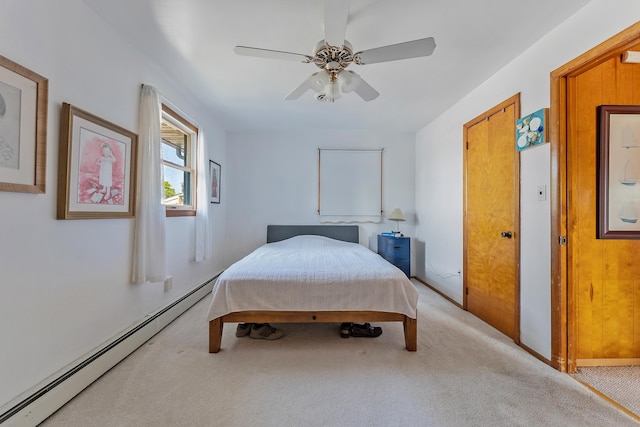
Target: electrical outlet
(168, 283)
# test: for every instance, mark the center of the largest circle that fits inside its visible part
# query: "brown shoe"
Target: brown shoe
(243, 329)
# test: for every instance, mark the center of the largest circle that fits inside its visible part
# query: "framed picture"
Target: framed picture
(214, 182)
(618, 172)
(96, 168)
(23, 128)
(532, 129)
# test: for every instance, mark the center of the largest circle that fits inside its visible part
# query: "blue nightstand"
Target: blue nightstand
(396, 250)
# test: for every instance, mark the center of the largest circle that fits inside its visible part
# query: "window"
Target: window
(179, 139)
(350, 184)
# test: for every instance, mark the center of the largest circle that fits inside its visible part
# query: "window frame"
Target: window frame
(169, 115)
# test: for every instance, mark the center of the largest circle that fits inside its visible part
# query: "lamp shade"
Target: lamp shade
(396, 215)
(332, 91)
(319, 80)
(350, 81)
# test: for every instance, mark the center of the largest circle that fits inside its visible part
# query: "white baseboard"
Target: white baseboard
(37, 406)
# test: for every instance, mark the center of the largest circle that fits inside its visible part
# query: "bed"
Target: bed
(314, 273)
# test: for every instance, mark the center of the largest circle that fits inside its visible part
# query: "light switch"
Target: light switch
(542, 192)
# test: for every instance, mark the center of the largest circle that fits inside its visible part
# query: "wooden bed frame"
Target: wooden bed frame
(348, 233)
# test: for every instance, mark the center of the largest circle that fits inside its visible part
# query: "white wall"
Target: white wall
(273, 179)
(439, 162)
(65, 284)
(535, 238)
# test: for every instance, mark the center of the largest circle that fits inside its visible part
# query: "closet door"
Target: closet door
(491, 225)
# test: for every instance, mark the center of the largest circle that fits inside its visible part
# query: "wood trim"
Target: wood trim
(537, 355)
(606, 50)
(513, 100)
(176, 211)
(445, 296)
(257, 316)
(516, 192)
(179, 118)
(608, 362)
(608, 399)
(465, 219)
(171, 212)
(558, 209)
(563, 329)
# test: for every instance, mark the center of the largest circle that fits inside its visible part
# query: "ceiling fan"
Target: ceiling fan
(334, 54)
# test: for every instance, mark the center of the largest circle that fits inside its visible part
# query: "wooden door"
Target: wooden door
(604, 274)
(491, 278)
(586, 327)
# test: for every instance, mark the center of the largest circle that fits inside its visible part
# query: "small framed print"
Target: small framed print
(214, 181)
(96, 168)
(23, 128)
(532, 130)
(618, 172)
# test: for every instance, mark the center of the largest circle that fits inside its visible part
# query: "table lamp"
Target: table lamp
(397, 216)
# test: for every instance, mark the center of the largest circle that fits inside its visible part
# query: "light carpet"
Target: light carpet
(619, 383)
(465, 373)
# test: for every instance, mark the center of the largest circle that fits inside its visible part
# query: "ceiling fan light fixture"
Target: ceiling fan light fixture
(349, 80)
(320, 80)
(331, 91)
(334, 54)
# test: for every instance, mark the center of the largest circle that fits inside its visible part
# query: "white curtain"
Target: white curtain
(149, 245)
(203, 238)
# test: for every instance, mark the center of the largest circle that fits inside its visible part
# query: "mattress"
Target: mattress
(313, 273)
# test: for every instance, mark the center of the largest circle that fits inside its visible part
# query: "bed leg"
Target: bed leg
(215, 335)
(411, 333)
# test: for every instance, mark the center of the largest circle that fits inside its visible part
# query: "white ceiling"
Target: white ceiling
(193, 41)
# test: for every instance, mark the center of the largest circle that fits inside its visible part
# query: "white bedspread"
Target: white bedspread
(313, 273)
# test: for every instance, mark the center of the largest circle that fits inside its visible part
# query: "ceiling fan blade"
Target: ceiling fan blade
(365, 91)
(352, 82)
(300, 90)
(394, 52)
(316, 82)
(272, 54)
(336, 13)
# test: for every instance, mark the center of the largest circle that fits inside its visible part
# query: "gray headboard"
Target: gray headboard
(346, 233)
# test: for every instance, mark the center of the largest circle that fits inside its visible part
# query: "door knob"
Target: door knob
(506, 234)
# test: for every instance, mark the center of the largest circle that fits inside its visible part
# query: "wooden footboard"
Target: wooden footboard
(216, 325)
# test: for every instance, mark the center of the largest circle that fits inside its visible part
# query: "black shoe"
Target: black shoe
(365, 330)
(345, 330)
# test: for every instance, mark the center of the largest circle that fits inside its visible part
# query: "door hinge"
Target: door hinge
(562, 240)
(466, 290)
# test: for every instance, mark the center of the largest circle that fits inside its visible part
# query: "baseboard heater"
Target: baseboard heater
(47, 399)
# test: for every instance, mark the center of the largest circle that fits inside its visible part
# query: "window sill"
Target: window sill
(180, 212)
